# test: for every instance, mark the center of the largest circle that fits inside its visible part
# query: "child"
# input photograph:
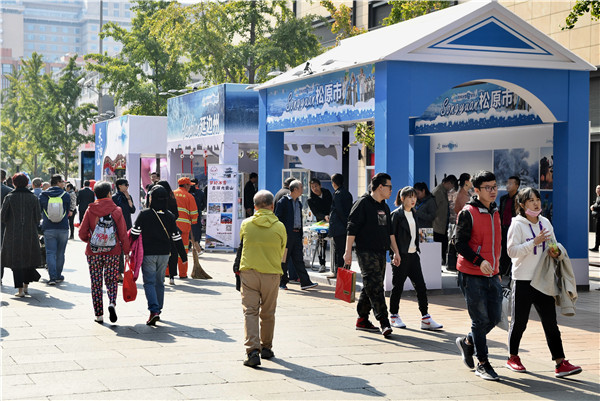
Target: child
(531, 235)
(405, 230)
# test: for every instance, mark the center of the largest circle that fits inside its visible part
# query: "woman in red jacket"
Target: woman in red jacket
(104, 261)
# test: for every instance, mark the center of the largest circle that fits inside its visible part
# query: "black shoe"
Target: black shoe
(112, 312)
(594, 249)
(252, 359)
(266, 353)
(486, 372)
(467, 351)
(309, 286)
(365, 325)
(153, 319)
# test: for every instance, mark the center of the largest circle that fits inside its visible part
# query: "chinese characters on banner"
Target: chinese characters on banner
(221, 220)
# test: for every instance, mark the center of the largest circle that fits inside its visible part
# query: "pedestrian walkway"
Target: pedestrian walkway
(52, 349)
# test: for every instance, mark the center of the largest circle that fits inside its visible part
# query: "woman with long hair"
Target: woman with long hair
(20, 217)
(530, 236)
(172, 207)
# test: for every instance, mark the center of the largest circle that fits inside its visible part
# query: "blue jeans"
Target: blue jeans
(56, 244)
(484, 303)
(153, 272)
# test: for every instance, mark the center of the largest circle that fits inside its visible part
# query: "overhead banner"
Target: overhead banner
(477, 106)
(196, 116)
(221, 218)
(342, 96)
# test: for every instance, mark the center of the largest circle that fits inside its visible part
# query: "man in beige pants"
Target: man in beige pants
(264, 238)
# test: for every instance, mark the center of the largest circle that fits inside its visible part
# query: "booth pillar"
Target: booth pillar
(270, 150)
(392, 150)
(570, 179)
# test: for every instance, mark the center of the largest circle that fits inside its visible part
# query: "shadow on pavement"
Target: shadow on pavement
(37, 298)
(167, 332)
(533, 383)
(347, 384)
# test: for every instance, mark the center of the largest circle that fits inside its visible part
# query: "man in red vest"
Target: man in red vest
(188, 215)
(479, 244)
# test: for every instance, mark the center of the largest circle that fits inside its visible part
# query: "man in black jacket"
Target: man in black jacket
(507, 212)
(369, 224)
(124, 201)
(338, 221)
(319, 203)
(285, 189)
(85, 196)
(249, 192)
(289, 212)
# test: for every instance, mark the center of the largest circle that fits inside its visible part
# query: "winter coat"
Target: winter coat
(370, 223)
(122, 201)
(440, 223)
(264, 238)
(556, 278)
(425, 211)
(21, 216)
(320, 206)
(401, 230)
(524, 254)
(101, 208)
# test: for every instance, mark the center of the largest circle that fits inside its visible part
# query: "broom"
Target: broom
(198, 272)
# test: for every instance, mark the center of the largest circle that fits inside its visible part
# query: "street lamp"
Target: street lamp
(18, 163)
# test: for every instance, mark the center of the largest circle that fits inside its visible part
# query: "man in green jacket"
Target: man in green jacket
(264, 239)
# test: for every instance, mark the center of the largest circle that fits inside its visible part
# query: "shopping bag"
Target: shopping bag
(129, 287)
(345, 285)
(506, 296)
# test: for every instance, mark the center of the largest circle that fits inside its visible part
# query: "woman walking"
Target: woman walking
(159, 229)
(530, 236)
(73, 208)
(172, 206)
(104, 262)
(406, 232)
(21, 216)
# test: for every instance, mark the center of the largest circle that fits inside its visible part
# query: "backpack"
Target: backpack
(104, 237)
(56, 210)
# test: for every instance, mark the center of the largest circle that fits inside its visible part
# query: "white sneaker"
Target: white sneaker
(427, 323)
(172, 281)
(397, 322)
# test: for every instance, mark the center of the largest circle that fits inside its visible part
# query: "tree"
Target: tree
(342, 25)
(61, 136)
(236, 41)
(405, 10)
(144, 68)
(581, 7)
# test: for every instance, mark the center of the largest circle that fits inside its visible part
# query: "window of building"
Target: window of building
(42, 47)
(94, 28)
(126, 5)
(55, 38)
(105, 12)
(42, 28)
(77, 30)
(93, 37)
(66, 39)
(77, 40)
(94, 47)
(65, 29)
(127, 14)
(7, 68)
(116, 13)
(77, 49)
(378, 10)
(43, 38)
(30, 46)
(53, 48)
(54, 29)
(55, 69)
(30, 27)
(30, 37)
(65, 48)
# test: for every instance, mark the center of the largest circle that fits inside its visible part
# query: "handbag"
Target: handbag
(129, 287)
(345, 285)
(506, 296)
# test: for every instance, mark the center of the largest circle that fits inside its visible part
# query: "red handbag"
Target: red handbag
(129, 287)
(345, 285)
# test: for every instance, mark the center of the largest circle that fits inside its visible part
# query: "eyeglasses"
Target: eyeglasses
(490, 189)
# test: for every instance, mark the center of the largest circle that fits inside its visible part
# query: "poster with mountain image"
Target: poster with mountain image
(520, 162)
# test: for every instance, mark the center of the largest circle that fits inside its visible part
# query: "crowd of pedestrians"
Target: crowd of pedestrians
(513, 239)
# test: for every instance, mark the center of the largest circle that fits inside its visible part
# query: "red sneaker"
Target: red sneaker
(514, 364)
(565, 369)
(365, 325)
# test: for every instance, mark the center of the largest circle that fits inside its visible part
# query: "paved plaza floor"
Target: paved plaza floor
(52, 348)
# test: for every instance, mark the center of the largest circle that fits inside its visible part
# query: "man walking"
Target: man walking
(36, 185)
(122, 199)
(55, 204)
(289, 212)
(338, 221)
(285, 189)
(369, 224)
(85, 196)
(264, 239)
(440, 223)
(507, 212)
(198, 195)
(249, 192)
(188, 216)
(478, 243)
(319, 202)
(595, 208)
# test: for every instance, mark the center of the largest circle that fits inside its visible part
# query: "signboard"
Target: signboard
(100, 140)
(196, 115)
(221, 217)
(337, 97)
(477, 106)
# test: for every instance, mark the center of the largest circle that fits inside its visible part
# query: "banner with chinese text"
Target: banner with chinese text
(221, 217)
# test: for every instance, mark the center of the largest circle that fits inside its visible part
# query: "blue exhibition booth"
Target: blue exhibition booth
(466, 88)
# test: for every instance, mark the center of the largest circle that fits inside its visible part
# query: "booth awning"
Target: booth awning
(475, 33)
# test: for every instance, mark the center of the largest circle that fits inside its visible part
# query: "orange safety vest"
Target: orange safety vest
(186, 206)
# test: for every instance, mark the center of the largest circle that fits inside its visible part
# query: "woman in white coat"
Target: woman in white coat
(529, 236)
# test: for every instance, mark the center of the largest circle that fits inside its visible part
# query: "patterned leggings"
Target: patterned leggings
(109, 264)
